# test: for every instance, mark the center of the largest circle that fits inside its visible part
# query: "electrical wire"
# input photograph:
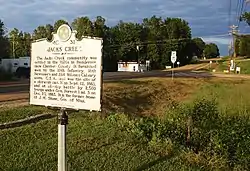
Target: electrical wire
(237, 9)
(241, 8)
(229, 12)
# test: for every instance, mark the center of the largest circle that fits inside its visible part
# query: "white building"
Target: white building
(131, 67)
(13, 64)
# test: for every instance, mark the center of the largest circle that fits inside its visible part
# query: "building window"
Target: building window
(26, 64)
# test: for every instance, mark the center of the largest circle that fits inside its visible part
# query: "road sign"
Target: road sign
(173, 60)
(173, 57)
(66, 72)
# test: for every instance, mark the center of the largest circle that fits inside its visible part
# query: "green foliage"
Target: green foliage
(156, 37)
(13, 114)
(218, 142)
(5, 75)
(198, 47)
(4, 44)
(211, 50)
(246, 17)
(242, 43)
(211, 134)
(20, 43)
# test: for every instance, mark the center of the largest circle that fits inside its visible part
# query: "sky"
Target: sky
(208, 19)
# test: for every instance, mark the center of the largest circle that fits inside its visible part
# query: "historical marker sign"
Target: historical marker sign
(66, 72)
(173, 57)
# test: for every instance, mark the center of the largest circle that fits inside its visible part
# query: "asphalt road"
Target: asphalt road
(20, 90)
(23, 86)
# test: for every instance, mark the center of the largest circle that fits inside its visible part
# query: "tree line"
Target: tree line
(153, 39)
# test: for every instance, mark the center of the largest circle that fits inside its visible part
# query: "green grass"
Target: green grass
(231, 95)
(93, 144)
(12, 114)
(244, 67)
(98, 144)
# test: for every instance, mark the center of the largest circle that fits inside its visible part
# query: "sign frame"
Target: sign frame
(173, 60)
(56, 40)
(63, 117)
(173, 57)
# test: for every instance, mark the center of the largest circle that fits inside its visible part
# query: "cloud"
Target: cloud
(206, 17)
(217, 40)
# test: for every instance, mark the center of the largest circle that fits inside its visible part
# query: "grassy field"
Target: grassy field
(12, 114)
(222, 65)
(109, 144)
(245, 67)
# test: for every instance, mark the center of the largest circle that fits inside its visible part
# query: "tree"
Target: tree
(4, 43)
(58, 23)
(198, 46)
(19, 43)
(242, 44)
(83, 26)
(14, 42)
(211, 50)
(153, 40)
(246, 17)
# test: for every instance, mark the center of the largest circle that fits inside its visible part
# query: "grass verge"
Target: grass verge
(12, 114)
(219, 137)
(93, 144)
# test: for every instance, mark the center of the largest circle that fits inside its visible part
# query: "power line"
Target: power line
(242, 6)
(229, 12)
(237, 9)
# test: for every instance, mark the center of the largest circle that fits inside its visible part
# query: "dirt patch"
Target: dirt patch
(147, 96)
(13, 96)
(14, 103)
(150, 96)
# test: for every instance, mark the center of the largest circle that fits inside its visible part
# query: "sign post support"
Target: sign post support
(173, 60)
(62, 149)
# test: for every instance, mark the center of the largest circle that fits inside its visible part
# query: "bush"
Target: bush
(5, 75)
(22, 72)
(217, 141)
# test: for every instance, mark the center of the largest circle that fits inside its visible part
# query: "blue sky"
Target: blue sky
(207, 18)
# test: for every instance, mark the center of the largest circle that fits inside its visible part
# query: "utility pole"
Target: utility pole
(234, 32)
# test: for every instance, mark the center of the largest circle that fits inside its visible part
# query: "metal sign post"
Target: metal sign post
(173, 60)
(62, 160)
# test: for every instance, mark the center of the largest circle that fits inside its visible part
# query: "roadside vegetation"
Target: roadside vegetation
(152, 124)
(5, 75)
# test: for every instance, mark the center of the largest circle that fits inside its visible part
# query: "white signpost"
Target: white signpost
(173, 60)
(66, 73)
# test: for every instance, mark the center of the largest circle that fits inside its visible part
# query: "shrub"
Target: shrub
(22, 72)
(5, 75)
(216, 141)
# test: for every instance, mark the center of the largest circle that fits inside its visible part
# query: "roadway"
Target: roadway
(22, 86)
(13, 91)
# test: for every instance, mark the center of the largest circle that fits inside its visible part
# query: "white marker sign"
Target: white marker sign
(173, 57)
(66, 72)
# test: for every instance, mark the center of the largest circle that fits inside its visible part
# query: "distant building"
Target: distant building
(13, 63)
(131, 67)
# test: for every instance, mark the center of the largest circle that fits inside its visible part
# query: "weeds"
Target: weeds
(209, 140)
